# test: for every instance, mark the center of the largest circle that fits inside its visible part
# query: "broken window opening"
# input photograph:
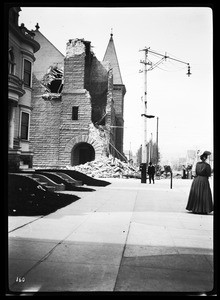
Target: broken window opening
(55, 86)
(53, 82)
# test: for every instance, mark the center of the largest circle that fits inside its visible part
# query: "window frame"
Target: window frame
(25, 71)
(27, 126)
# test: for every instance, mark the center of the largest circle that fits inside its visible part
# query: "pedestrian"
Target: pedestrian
(184, 172)
(151, 172)
(200, 196)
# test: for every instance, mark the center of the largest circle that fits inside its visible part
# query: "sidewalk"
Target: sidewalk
(127, 236)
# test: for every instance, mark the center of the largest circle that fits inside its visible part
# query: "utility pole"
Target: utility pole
(144, 114)
(150, 148)
(144, 145)
(157, 143)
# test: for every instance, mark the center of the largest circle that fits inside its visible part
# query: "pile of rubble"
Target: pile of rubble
(107, 168)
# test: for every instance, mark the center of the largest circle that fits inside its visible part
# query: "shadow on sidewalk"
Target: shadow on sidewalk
(40, 203)
(27, 198)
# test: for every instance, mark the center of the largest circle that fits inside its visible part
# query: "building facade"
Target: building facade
(21, 49)
(77, 105)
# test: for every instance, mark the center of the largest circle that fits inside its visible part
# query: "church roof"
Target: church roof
(111, 56)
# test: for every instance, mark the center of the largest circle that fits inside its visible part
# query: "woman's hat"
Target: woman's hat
(206, 153)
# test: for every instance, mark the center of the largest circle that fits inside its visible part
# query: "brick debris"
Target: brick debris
(107, 167)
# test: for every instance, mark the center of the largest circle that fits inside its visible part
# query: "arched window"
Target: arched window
(11, 62)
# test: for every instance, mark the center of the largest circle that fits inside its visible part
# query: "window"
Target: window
(24, 125)
(27, 72)
(75, 110)
(11, 62)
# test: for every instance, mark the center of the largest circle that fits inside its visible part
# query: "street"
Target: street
(127, 236)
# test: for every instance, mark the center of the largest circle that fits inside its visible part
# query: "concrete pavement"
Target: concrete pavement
(127, 236)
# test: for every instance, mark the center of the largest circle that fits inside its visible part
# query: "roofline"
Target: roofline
(49, 42)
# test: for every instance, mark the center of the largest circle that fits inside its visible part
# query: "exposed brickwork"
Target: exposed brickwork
(119, 134)
(88, 84)
(69, 128)
(44, 129)
(74, 73)
(118, 94)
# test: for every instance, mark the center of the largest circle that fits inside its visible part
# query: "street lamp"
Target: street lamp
(147, 116)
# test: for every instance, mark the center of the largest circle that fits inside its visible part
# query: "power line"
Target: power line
(164, 57)
(149, 66)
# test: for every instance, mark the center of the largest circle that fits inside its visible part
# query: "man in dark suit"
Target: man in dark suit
(151, 172)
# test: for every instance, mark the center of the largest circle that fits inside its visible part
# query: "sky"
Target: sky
(182, 105)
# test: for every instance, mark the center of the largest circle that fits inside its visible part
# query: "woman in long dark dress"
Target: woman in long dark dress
(200, 196)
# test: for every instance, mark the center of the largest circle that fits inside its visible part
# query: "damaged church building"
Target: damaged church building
(77, 104)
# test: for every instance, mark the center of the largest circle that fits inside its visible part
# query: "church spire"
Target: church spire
(111, 56)
(111, 34)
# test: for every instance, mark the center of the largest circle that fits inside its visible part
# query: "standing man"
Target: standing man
(151, 172)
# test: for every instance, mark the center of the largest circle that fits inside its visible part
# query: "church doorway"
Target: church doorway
(82, 153)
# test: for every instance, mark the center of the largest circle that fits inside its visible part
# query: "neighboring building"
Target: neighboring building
(21, 49)
(48, 55)
(77, 104)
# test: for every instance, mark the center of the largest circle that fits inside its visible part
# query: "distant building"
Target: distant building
(78, 104)
(182, 160)
(21, 49)
(128, 154)
(190, 157)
